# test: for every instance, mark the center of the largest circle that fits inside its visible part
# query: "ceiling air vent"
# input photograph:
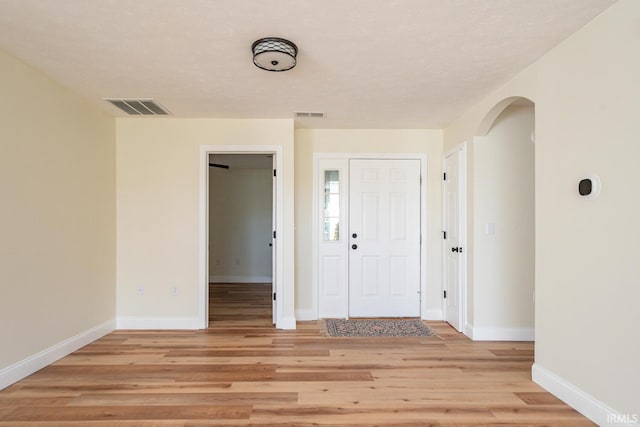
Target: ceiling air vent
(146, 107)
(305, 114)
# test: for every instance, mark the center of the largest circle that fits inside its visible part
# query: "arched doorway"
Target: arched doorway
(504, 223)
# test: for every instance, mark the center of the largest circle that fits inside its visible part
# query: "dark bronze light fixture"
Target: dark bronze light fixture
(274, 54)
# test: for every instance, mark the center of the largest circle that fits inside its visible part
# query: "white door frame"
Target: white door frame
(316, 217)
(203, 229)
(462, 218)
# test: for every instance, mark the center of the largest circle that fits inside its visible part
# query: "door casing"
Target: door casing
(343, 158)
(203, 251)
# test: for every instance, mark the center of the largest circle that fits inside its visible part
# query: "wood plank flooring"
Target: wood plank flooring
(243, 372)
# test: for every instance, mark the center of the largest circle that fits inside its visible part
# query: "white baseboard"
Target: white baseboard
(287, 323)
(159, 323)
(468, 330)
(481, 333)
(303, 315)
(240, 279)
(433, 315)
(582, 402)
(31, 364)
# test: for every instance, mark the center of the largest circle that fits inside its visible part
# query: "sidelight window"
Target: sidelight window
(331, 219)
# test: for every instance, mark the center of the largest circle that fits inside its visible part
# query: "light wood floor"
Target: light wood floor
(243, 372)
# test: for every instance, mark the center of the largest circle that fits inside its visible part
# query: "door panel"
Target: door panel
(331, 267)
(398, 216)
(370, 222)
(370, 275)
(384, 208)
(398, 270)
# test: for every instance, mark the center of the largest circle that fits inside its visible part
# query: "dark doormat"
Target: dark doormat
(377, 328)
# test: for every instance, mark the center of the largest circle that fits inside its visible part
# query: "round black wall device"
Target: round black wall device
(589, 186)
(585, 187)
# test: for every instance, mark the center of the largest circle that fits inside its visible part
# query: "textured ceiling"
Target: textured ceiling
(365, 63)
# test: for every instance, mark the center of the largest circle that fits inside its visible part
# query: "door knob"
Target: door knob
(354, 235)
(454, 249)
(354, 246)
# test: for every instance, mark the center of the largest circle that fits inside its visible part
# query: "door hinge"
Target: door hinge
(274, 296)
(274, 172)
(274, 234)
(420, 179)
(445, 294)
(444, 176)
(444, 235)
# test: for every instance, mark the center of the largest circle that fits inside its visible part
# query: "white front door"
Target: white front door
(452, 248)
(384, 238)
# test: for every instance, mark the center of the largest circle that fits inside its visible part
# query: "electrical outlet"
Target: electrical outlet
(140, 290)
(174, 291)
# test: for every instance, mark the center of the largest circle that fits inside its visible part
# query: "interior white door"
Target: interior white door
(273, 244)
(452, 248)
(384, 238)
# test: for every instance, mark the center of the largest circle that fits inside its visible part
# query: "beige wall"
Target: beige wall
(504, 196)
(309, 141)
(158, 207)
(240, 224)
(57, 222)
(586, 250)
(587, 274)
(58, 197)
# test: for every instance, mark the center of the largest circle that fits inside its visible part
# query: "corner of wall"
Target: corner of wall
(287, 323)
(34, 363)
(581, 401)
(489, 333)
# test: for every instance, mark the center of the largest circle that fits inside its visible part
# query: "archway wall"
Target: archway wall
(586, 122)
(474, 124)
(503, 222)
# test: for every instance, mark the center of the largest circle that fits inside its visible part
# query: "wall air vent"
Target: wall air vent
(137, 107)
(305, 114)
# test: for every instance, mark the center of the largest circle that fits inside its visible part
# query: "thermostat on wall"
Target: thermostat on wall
(589, 186)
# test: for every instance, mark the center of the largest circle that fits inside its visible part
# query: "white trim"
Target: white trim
(203, 229)
(468, 330)
(462, 218)
(287, 323)
(579, 400)
(34, 363)
(433, 315)
(424, 235)
(423, 218)
(484, 333)
(158, 323)
(303, 315)
(240, 279)
(315, 298)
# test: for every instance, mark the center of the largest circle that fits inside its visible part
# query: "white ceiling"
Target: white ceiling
(365, 63)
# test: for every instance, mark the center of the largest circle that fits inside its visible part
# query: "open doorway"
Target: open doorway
(503, 224)
(241, 242)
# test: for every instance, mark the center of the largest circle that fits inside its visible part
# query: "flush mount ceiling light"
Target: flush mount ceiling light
(274, 54)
